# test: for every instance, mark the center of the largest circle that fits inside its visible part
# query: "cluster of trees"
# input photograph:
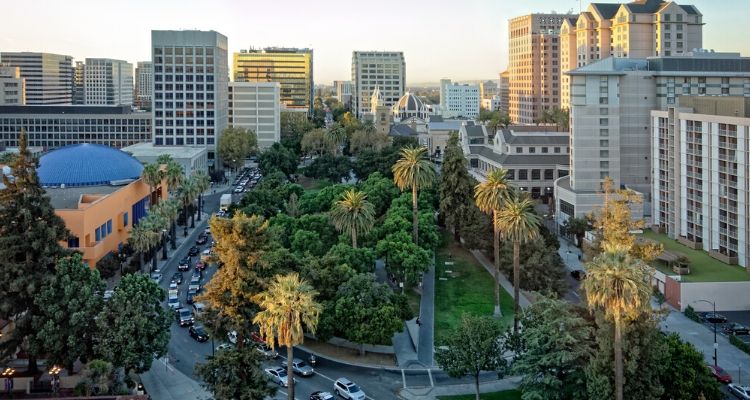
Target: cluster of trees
(494, 119)
(557, 116)
(56, 301)
(235, 145)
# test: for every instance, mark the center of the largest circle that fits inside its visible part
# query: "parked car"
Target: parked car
(736, 329)
(190, 297)
(266, 350)
(200, 266)
(719, 373)
(347, 389)
(299, 367)
(156, 277)
(321, 396)
(278, 375)
(578, 274)
(198, 308)
(193, 251)
(108, 294)
(202, 239)
(224, 346)
(715, 318)
(177, 278)
(184, 264)
(185, 317)
(198, 333)
(741, 392)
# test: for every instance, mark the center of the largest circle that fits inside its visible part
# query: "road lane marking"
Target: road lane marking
(429, 373)
(403, 377)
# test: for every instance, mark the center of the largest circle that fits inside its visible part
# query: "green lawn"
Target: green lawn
(504, 395)
(469, 289)
(703, 268)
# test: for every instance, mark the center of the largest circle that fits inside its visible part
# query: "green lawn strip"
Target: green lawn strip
(468, 289)
(503, 395)
(703, 268)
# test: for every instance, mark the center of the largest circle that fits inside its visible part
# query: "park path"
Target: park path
(426, 345)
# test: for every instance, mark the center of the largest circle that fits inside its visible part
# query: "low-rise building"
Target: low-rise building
(12, 86)
(57, 126)
(459, 100)
(256, 106)
(192, 159)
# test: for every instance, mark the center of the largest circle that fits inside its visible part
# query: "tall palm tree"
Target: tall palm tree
(202, 183)
(140, 241)
(186, 194)
(170, 210)
(336, 134)
(174, 175)
(617, 285)
(152, 175)
(489, 197)
(518, 223)
(155, 224)
(353, 214)
(287, 305)
(413, 171)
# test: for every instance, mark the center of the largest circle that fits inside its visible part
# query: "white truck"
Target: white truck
(225, 201)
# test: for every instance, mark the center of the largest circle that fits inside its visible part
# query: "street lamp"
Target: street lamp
(55, 374)
(163, 244)
(8, 375)
(716, 344)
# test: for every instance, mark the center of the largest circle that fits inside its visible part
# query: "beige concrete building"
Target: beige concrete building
(534, 70)
(639, 29)
(256, 106)
(504, 91)
(12, 86)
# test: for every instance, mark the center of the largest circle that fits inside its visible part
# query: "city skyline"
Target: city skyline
(417, 28)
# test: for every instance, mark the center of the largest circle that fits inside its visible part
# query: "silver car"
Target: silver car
(278, 376)
(300, 367)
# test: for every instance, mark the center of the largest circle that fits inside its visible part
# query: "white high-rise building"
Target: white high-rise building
(256, 106)
(108, 82)
(459, 100)
(144, 84)
(343, 91)
(383, 69)
(191, 77)
(49, 77)
(12, 86)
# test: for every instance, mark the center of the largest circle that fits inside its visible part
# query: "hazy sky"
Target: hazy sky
(457, 39)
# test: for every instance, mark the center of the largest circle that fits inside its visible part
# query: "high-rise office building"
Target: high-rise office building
(291, 67)
(459, 100)
(504, 89)
(79, 96)
(638, 29)
(256, 106)
(343, 91)
(108, 82)
(12, 86)
(49, 77)
(534, 69)
(191, 77)
(144, 84)
(385, 70)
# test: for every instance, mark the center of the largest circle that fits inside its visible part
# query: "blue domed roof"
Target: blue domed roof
(86, 165)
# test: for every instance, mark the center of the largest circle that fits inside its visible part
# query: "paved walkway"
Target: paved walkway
(571, 255)
(165, 382)
(425, 346)
(431, 393)
(504, 282)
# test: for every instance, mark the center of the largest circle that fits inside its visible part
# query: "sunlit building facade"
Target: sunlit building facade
(49, 77)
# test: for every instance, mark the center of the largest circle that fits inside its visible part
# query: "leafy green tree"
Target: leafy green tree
(617, 286)
(363, 141)
(687, 378)
(456, 190)
(477, 230)
(316, 143)
(235, 374)
(278, 158)
(404, 258)
(133, 326)
(336, 134)
(361, 259)
(97, 377)
(353, 214)
(287, 305)
(326, 274)
(365, 311)
(333, 168)
(577, 227)
(380, 192)
(557, 344)
(30, 236)
(476, 345)
(519, 223)
(370, 162)
(235, 145)
(541, 267)
(69, 302)
(307, 242)
(322, 201)
(489, 197)
(413, 171)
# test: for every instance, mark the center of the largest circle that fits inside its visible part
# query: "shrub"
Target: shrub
(108, 265)
(690, 313)
(738, 343)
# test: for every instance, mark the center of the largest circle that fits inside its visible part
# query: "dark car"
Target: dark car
(184, 264)
(194, 251)
(200, 266)
(719, 373)
(715, 318)
(177, 278)
(198, 333)
(185, 317)
(319, 395)
(202, 239)
(190, 297)
(736, 329)
(578, 274)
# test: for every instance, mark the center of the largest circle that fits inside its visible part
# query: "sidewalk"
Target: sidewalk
(425, 345)
(165, 382)
(431, 393)
(571, 255)
(504, 282)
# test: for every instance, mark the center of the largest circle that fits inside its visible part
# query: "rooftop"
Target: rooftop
(87, 165)
(147, 149)
(474, 131)
(510, 160)
(68, 198)
(56, 110)
(536, 138)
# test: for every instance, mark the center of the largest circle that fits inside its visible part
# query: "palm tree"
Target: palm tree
(413, 170)
(618, 285)
(152, 175)
(186, 194)
(353, 214)
(155, 224)
(140, 241)
(288, 304)
(336, 134)
(170, 209)
(174, 175)
(518, 223)
(489, 197)
(202, 183)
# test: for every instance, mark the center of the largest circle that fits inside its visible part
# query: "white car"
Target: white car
(224, 346)
(278, 375)
(741, 392)
(172, 286)
(174, 303)
(347, 389)
(299, 367)
(156, 277)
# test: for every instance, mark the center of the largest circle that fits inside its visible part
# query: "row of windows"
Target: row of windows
(103, 231)
(544, 150)
(183, 78)
(182, 141)
(188, 51)
(181, 131)
(56, 121)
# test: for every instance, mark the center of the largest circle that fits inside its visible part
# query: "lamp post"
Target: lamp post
(163, 244)
(55, 374)
(8, 375)
(716, 344)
